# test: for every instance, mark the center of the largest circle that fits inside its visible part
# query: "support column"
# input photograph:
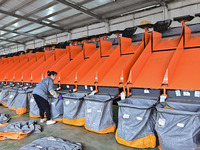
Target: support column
(107, 26)
(69, 35)
(56, 38)
(165, 13)
(34, 43)
(87, 31)
(43, 42)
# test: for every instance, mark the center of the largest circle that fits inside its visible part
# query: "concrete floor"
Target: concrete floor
(89, 140)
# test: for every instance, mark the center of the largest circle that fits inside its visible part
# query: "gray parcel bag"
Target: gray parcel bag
(4, 118)
(11, 99)
(178, 128)
(136, 121)
(22, 126)
(56, 108)
(19, 130)
(4, 94)
(34, 110)
(22, 101)
(99, 114)
(74, 109)
(51, 143)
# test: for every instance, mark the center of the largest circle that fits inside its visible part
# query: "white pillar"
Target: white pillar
(57, 38)
(107, 27)
(69, 36)
(87, 31)
(165, 13)
(133, 19)
(34, 43)
(43, 42)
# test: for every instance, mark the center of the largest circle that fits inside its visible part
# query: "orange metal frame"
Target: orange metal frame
(33, 57)
(155, 62)
(70, 69)
(151, 67)
(184, 67)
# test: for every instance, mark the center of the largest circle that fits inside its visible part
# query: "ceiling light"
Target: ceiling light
(51, 10)
(16, 24)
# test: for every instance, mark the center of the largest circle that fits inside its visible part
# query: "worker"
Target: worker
(40, 94)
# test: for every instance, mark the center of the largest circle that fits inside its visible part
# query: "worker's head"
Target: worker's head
(52, 74)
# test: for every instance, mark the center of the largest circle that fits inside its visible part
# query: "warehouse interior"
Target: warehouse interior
(126, 74)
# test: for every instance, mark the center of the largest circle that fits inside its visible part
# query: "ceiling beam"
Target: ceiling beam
(28, 2)
(46, 18)
(63, 10)
(87, 12)
(31, 20)
(162, 3)
(11, 41)
(4, 47)
(22, 33)
(2, 2)
(29, 31)
(18, 7)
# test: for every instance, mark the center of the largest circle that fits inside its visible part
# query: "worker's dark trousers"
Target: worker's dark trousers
(43, 106)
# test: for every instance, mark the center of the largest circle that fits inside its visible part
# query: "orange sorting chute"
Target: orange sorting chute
(7, 67)
(123, 63)
(10, 73)
(36, 74)
(68, 55)
(113, 68)
(86, 73)
(70, 69)
(27, 74)
(184, 67)
(90, 63)
(150, 68)
(17, 74)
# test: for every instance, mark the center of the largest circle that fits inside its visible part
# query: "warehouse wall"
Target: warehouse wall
(176, 8)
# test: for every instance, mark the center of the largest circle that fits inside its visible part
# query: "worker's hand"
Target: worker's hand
(60, 97)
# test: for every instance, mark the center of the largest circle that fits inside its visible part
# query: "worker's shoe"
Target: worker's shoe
(43, 120)
(50, 122)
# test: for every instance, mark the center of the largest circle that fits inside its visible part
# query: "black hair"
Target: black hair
(51, 73)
